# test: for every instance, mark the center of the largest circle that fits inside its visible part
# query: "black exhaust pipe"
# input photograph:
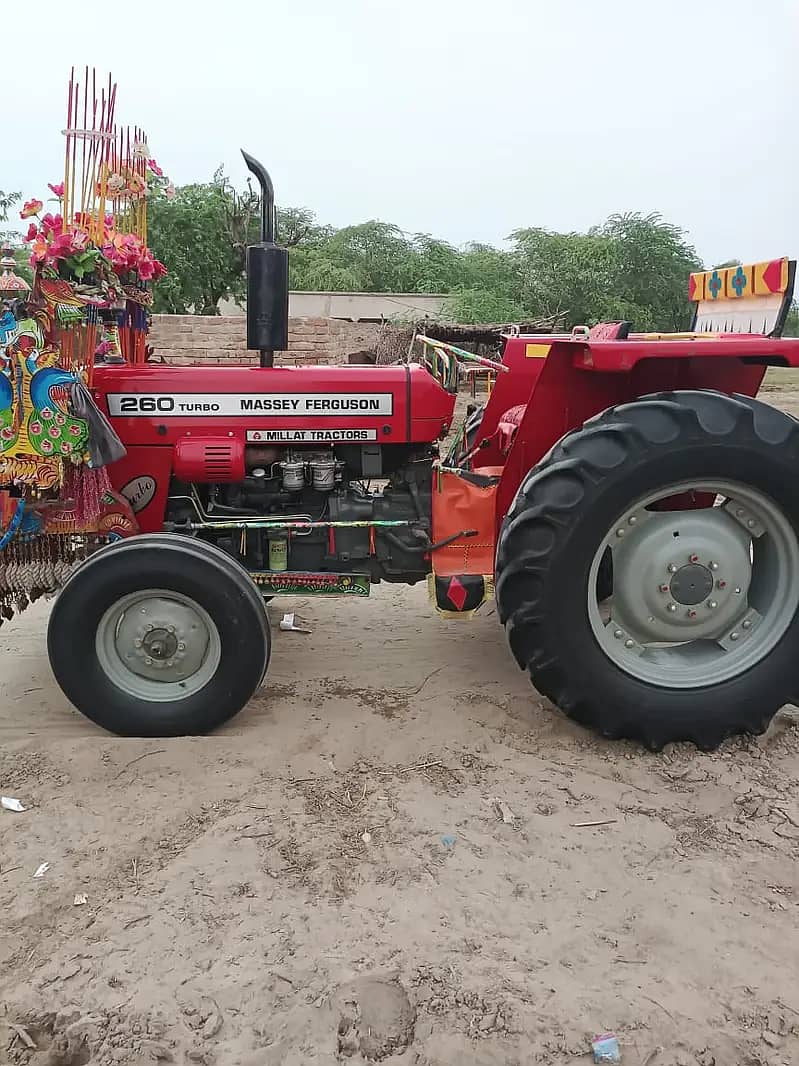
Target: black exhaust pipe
(267, 279)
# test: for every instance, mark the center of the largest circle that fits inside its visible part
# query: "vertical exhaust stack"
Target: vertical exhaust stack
(267, 279)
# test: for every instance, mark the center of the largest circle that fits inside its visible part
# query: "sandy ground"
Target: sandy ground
(381, 857)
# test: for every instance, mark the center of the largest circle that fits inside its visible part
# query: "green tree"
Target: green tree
(7, 201)
(632, 266)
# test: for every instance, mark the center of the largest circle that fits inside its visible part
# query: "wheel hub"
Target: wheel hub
(699, 595)
(691, 584)
(158, 645)
(680, 576)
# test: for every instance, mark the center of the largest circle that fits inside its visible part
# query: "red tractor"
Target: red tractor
(631, 505)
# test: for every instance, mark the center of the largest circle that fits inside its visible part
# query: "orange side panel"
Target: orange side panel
(463, 502)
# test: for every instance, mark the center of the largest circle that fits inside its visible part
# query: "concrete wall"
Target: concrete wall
(358, 306)
(222, 339)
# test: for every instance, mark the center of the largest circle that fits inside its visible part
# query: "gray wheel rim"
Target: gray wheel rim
(699, 596)
(158, 646)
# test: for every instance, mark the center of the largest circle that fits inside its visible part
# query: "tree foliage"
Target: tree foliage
(7, 201)
(632, 266)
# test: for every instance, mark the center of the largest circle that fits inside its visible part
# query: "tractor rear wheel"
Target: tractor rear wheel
(694, 497)
(159, 636)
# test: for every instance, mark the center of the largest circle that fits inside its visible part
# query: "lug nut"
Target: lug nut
(693, 558)
(712, 604)
(149, 661)
(750, 523)
(137, 643)
(619, 532)
(170, 629)
(737, 590)
(632, 519)
(746, 624)
(617, 633)
(672, 568)
(181, 646)
(714, 566)
(734, 636)
(629, 644)
(672, 607)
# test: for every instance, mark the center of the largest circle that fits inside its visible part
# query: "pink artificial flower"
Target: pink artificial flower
(57, 190)
(146, 269)
(154, 168)
(52, 225)
(170, 192)
(99, 351)
(158, 269)
(32, 234)
(39, 251)
(31, 207)
(70, 243)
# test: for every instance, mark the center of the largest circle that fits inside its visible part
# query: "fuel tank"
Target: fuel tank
(158, 405)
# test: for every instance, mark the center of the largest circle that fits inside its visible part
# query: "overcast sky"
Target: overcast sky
(462, 118)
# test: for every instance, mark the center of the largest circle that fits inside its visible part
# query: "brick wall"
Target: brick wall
(222, 339)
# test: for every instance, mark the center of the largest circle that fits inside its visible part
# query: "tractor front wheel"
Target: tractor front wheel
(684, 508)
(159, 636)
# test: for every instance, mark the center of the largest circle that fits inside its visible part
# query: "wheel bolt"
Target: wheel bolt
(672, 568)
(672, 607)
(137, 643)
(629, 644)
(617, 633)
(751, 523)
(632, 519)
(737, 590)
(721, 584)
(664, 588)
(692, 614)
(619, 532)
(746, 624)
(734, 636)
(170, 629)
(714, 566)
(150, 629)
(712, 604)
(181, 647)
(149, 661)
(693, 558)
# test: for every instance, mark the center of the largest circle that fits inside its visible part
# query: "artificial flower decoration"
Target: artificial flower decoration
(154, 168)
(31, 208)
(116, 183)
(52, 225)
(32, 234)
(57, 190)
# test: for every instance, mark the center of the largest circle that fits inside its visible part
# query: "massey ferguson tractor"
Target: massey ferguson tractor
(630, 504)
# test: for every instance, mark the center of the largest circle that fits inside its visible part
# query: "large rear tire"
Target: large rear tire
(159, 636)
(699, 639)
